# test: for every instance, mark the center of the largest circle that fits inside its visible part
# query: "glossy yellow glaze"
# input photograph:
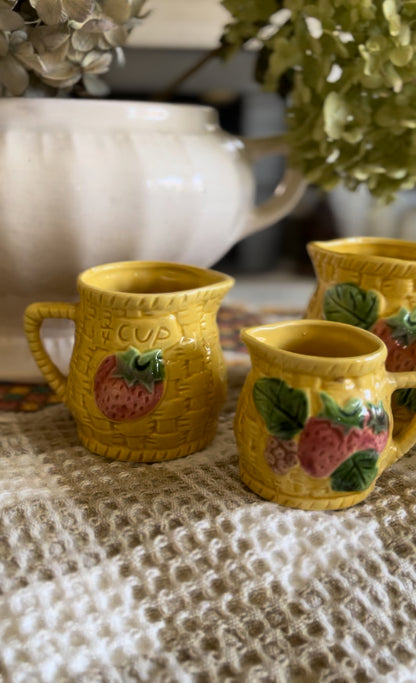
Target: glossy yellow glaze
(313, 357)
(147, 305)
(383, 266)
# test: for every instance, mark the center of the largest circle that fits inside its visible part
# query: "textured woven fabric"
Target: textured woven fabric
(175, 572)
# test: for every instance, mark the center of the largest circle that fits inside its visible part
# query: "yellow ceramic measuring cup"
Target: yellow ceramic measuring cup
(147, 376)
(313, 423)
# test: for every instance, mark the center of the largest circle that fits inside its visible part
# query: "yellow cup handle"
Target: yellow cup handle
(34, 315)
(407, 437)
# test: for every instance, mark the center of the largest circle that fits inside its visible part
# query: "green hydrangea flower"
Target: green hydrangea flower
(348, 69)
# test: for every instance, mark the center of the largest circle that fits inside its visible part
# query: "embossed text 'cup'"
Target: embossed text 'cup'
(314, 423)
(147, 376)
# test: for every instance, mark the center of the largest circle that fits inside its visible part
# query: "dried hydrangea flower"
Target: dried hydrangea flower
(57, 43)
(13, 76)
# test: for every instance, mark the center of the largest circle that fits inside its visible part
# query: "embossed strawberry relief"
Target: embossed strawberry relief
(348, 303)
(129, 384)
(340, 442)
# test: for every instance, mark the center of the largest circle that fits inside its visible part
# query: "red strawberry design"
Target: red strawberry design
(357, 430)
(129, 384)
(399, 335)
(331, 438)
(383, 331)
(402, 359)
(366, 439)
(322, 447)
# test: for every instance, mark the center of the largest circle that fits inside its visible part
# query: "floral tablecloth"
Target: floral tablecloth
(117, 572)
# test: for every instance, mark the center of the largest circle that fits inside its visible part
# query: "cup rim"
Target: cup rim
(60, 114)
(353, 365)
(336, 250)
(208, 279)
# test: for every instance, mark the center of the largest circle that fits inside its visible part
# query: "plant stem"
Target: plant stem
(171, 89)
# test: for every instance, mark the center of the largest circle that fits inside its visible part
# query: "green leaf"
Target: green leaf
(403, 326)
(406, 398)
(140, 368)
(378, 418)
(283, 408)
(356, 473)
(251, 10)
(285, 54)
(348, 303)
(351, 415)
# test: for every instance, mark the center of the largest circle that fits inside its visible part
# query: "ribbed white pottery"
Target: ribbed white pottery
(86, 182)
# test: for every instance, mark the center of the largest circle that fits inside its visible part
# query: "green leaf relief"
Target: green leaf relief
(378, 420)
(356, 473)
(348, 303)
(140, 368)
(283, 408)
(406, 398)
(351, 415)
(403, 326)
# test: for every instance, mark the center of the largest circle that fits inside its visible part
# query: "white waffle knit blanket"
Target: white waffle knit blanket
(113, 572)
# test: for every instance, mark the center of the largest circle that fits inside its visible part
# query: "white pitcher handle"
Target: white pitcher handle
(286, 195)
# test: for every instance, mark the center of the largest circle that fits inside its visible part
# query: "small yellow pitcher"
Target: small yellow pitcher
(147, 376)
(313, 423)
(370, 282)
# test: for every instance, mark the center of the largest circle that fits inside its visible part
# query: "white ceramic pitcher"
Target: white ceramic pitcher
(93, 181)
